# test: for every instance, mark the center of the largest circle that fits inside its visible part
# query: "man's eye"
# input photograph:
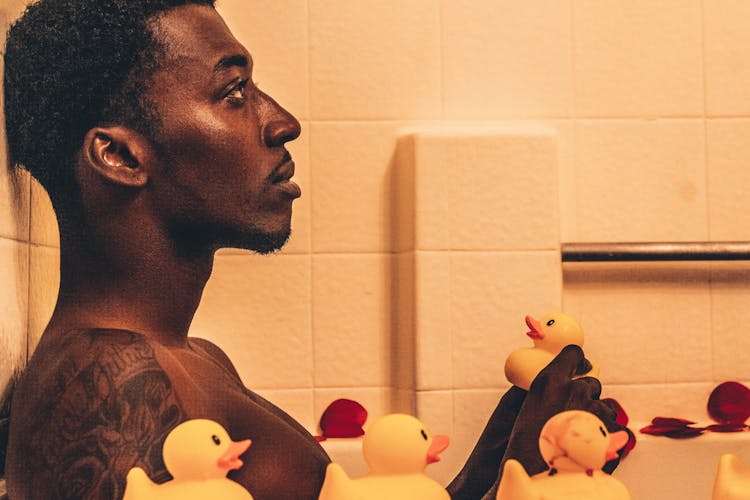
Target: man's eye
(238, 91)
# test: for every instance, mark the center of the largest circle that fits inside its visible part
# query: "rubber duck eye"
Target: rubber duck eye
(601, 429)
(216, 440)
(550, 322)
(424, 434)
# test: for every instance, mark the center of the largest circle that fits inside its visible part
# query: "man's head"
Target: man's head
(71, 65)
(150, 100)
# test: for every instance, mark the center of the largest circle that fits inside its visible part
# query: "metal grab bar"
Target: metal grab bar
(655, 251)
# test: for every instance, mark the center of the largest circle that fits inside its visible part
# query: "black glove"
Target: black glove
(480, 470)
(553, 391)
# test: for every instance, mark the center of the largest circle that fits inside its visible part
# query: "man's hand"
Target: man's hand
(553, 391)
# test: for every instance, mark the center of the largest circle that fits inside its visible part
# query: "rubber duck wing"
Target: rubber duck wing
(516, 483)
(138, 486)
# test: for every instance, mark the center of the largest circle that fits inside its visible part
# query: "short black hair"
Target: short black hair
(71, 65)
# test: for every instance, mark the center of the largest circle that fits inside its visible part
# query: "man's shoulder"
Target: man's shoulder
(216, 353)
(66, 356)
(91, 405)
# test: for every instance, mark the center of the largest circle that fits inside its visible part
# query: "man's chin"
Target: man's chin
(264, 242)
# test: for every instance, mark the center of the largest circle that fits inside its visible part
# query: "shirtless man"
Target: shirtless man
(142, 121)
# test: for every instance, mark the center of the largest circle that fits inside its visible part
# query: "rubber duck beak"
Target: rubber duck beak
(536, 332)
(439, 444)
(230, 460)
(616, 441)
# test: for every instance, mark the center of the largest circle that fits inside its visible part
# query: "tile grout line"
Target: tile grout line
(28, 277)
(310, 284)
(441, 59)
(574, 99)
(512, 120)
(707, 180)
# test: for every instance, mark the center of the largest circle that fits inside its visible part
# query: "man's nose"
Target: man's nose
(281, 128)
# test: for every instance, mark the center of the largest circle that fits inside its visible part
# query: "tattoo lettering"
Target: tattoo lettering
(112, 414)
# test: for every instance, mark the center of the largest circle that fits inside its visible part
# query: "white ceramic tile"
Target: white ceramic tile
(491, 293)
(568, 180)
(13, 308)
(44, 283)
(432, 311)
(472, 410)
(638, 58)
(644, 323)
(353, 181)
(14, 201)
(507, 59)
(730, 294)
(480, 189)
(641, 181)
(14, 184)
(9, 11)
(644, 402)
(275, 33)
(728, 153)
(727, 42)
(404, 401)
(403, 346)
(435, 410)
(257, 309)
(297, 403)
(43, 222)
(352, 321)
(403, 202)
(374, 59)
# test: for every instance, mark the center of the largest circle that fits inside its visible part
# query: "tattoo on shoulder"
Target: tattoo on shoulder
(110, 413)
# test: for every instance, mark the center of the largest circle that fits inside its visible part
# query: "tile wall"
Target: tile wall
(649, 103)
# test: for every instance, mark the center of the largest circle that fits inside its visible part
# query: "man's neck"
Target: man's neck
(130, 282)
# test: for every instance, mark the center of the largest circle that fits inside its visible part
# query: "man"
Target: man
(142, 121)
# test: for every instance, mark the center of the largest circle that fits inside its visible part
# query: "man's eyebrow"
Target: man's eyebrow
(227, 62)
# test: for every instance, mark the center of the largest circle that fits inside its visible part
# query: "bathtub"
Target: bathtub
(659, 468)
(663, 468)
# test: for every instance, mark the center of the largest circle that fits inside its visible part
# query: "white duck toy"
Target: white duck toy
(199, 454)
(576, 445)
(732, 479)
(397, 448)
(550, 335)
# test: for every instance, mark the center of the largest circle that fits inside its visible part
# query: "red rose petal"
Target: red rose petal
(727, 427)
(672, 427)
(729, 403)
(343, 418)
(670, 421)
(687, 432)
(343, 430)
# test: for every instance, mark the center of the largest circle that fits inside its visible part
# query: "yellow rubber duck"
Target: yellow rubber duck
(576, 445)
(397, 449)
(550, 334)
(199, 454)
(732, 479)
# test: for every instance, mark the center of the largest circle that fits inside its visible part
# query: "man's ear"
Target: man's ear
(119, 154)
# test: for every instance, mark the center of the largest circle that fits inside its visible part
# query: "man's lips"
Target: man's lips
(284, 170)
(281, 176)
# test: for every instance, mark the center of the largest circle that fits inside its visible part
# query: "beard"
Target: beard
(264, 242)
(197, 240)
